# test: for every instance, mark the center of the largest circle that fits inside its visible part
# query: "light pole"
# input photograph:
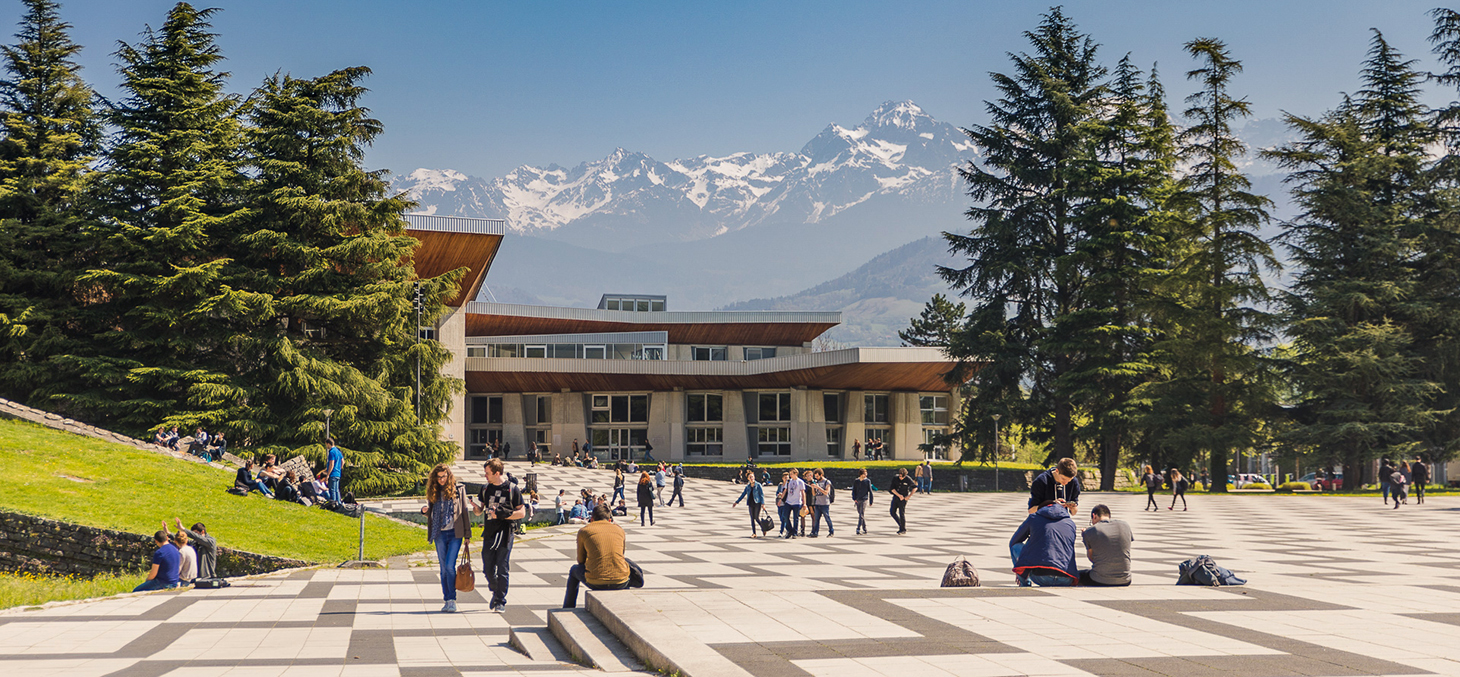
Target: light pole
(996, 451)
(418, 352)
(327, 414)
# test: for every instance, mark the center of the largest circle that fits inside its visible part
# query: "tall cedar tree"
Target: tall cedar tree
(1022, 248)
(51, 137)
(1361, 177)
(171, 189)
(937, 323)
(1214, 384)
(324, 247)
(1120, 251)
(1437, 265)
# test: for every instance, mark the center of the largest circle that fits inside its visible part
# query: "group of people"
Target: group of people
(275, 482)
(809, 494)
(209, 447)
(181, 557)
(1153, 483)
(875, 449)
(1043, 547)
(1400, 479)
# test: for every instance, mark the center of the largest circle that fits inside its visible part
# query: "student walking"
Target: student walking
(918, 477)
(793, 493)
(501, 504)
(646, 498)
(862, 496)
(448, 526)
(805, 511)
(678, 488)
(821, 504)
(1397, 483)
(558, 503)
(618, 482)
(1386, 472)
(1152, 482)
(927, 476)
(856, 450)
(1419, 475)
(659, 484)
(754, 498)
(1178, 489)
(901, 489)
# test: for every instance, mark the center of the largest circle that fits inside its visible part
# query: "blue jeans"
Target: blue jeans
(618, 493)
(1041, 580)
(260, 487)
(927, 484)
(1384, 487)
(335, 488)
(818, 512)
(577, 577)
(448, 546)
(154, 584)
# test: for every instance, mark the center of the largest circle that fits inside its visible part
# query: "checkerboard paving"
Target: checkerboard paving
(1337, 586)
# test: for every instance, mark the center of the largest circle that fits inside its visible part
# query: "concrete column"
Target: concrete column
(856, 429)
(514, 428)
(451, 332)
(907, 426)
(676, 419)
(661, 406)
(815, 426)
(737, 446)
(569, 410)
(955, 410)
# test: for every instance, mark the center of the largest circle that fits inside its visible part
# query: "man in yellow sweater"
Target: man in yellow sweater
(601, 563)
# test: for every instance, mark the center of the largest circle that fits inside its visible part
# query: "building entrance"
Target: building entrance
(619, 444)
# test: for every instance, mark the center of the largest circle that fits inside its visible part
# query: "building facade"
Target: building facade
(631, 375)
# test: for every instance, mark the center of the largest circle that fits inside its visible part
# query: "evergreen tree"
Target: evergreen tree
(1022, 248)
(51, 137)
(934, 327)
(171, 200)
(324, 251)
(1213, 384)
(1437, 261)
(1361, 178)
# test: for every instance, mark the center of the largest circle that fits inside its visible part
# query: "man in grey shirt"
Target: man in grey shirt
(821, 504)
(1107, 544)
(206, 547)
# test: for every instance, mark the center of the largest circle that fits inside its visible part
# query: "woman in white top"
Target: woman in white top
(187, 568)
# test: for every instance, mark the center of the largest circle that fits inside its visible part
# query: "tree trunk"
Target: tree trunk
(1109, 459)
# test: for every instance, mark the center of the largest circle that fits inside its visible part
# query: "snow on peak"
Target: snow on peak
(435, 179)
(899, 114)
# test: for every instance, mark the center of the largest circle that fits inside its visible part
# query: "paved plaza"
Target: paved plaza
(1337, 586)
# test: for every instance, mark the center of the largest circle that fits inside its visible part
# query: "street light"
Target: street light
(996, 451)
(327, 414)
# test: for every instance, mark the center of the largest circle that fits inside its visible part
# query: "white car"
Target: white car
(1246, 478)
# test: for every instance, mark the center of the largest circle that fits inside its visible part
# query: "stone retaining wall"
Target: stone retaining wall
(39, 545)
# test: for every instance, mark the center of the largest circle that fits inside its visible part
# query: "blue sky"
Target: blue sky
(486, 86)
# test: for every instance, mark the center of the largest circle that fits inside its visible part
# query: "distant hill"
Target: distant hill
(877, 299)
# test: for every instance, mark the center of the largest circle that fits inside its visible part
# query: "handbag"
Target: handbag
(960, 574)
(766, 523)
(466, 579)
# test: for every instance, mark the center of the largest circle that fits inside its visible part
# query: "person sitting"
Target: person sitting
(271, 474)
(284, 489)
(1055, 486)
(309, 492)
(621, 510)
(601, 562)
(204, 545)
(160, 437)
(217, 447)
(187, 568)
(1043, 548)
(1107, 544)
(245, 481)
(578, 515)
(166, 561)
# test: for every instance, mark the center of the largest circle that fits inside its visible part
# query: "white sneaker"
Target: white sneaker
(451, 606)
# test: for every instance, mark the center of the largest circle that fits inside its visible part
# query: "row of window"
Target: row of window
(571, 351)
(710, 408)
(721, 353)
(634, 304)
(699, 441)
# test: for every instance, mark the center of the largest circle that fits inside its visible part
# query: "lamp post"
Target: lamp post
(419, 303)
(996, 451)
(327, 414)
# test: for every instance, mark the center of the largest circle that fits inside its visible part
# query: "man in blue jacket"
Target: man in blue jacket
(1043, 548)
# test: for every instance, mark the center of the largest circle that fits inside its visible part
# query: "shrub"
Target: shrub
(1294, 486)
(1258, 485)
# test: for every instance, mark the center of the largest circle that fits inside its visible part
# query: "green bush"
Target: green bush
(1258, 485)
(1294, 486)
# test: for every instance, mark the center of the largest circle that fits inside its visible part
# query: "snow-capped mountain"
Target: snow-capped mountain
(629, 199)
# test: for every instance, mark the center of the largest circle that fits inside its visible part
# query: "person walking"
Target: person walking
(678, 488)
(448, 526)
(793, 493)
(821, 504)
(501, 504)
(335, 466)
(1386, 471)
(1178, 489)
(618, 482)
(927, 476)
(1396, 485)
(918, 477)
(805, 511)
(1419, 475)
(646, 498)
(901, 490)
(862, 496)
(659, 484)
(558, 503)
(1152, 482)
(856, 450)
(754, 498)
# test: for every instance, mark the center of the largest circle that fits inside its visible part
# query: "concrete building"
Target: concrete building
(632, 374)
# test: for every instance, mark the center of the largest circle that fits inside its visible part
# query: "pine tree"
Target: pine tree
(324, 249)
(1214, 384)
(51, 137)
(1361, 178)
(1437, 262)
(1022, 247)
(935, 326)
(171, 203)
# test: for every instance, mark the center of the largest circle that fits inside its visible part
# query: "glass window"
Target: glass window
(704, 442)
(565, 351)
(705, 407)
(638, 408)
(594, 353)
(658, 306)
(759, 353)
(874, 409)
(704, 354)
(600, 401)
(834, 442)
(619, 408)
(644, 305)
(934, 409)
(494, 410)
(544, 409)
(936, 451)
(476, 352)
(613, 304)
(773, 441)
(536, 351)
(775, 407)
(831, 405)
(481, 408)
(427, 333)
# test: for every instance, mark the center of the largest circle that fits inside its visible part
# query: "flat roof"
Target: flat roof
(770, 328)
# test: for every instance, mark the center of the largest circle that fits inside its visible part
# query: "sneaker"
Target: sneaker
(446, 608)
(498, 607)
(450, 606)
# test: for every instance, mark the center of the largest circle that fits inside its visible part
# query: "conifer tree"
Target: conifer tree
(1213, 382)
(323, 248)
(1437, 261)
(51, 137)
(935, 326)
(1360, 175)
(1022, 246)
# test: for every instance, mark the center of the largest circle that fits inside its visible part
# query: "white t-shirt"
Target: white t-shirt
(187, 568)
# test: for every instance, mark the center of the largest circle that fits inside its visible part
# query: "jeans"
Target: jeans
(783, 512)
(577, 575)
(335, 488)
(755, 519)
(562, 516)
(618, 493)
(154, 584)
(659, 494)
(899, 513)
(861, 516)
(794, 523)
(496, 565)
(927, 484)
(1041, 580)
(448, 546)
(679, 494)
(260, 487)
(819, 512)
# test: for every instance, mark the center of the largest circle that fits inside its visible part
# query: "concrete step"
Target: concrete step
(538, 643)
(589, 642)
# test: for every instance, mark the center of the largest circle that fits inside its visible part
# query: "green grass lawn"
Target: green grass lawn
(77, 479)
(943, 466)
(30, 590)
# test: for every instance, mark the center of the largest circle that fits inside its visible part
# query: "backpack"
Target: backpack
(960, 574)
(210, 583)
(349, 509)
(831, 494)
(1203, 570)
(238, 491)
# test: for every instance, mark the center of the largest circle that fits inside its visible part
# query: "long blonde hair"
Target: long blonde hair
(433, 489)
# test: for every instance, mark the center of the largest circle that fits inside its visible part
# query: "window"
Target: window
(935, 451)
(540, 436)
(773, 441)
(705, 408)
(874, 409)
(934, 408)
(834, 442)
(759, 353)
(704, 442)
(620, 408)
(883, 434)
(476, 352)
(775, 407)
(536, 351)
(564, 351)
(643, 305)
(594, 353)
(427, 333)
(658, 306)
(831, 405)
(612, 304)
(486, 410)
(479, 438)
(544, 409)
(707, 354)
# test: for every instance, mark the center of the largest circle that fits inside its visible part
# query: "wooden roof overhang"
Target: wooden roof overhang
(706, 328)
(449, 243)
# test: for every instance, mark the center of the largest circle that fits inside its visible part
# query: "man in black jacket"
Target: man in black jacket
(1386, 468)
(862, 496)
(902, 487)
(1055, 486)
(1419, 474)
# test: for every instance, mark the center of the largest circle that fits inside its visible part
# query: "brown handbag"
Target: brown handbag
(466, 579)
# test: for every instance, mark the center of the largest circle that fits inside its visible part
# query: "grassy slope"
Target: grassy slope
(28, 589)
(133, 490)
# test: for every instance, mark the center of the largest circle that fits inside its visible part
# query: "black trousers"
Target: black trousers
(899, 513)
(755, 518)
(677, 493)
(643, 508)
(496, 563)
(1151, 498)
(1085, 579)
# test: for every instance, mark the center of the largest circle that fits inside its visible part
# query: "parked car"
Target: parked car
(1241, 480)
(1334, 481)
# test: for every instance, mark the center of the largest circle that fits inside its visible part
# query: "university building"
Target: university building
(707, 386)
